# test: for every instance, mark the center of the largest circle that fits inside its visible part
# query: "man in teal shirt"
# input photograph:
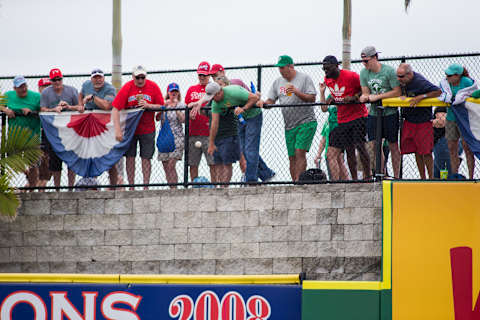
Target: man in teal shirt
(379, 81)
(23, 102)
(223, 139)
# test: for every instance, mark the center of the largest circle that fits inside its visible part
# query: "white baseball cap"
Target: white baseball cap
(138, 70)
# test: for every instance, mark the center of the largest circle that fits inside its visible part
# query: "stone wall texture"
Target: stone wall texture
(330, 232)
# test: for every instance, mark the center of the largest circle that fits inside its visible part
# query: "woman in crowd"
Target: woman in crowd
(455, 90)
(175, 119)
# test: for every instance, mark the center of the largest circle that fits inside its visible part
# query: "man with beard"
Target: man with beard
(344, 86)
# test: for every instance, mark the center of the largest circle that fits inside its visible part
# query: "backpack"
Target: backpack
(312, 175)
(165, 139)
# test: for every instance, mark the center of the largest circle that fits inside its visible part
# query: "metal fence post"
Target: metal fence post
(259, 78)
(4, 136)
(186, 148)
(378, 144)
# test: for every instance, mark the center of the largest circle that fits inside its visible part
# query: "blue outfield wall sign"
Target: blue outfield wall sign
(42, 301)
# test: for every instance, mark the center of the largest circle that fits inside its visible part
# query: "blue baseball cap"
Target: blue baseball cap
(173, 87)
(18, 81)
(454, 68)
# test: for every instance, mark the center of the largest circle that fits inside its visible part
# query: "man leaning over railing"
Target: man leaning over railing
(294, 87)
(417, 130)
(23, 101)
(379, 82)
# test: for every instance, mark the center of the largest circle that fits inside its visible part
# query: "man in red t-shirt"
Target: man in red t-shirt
(344, 86)
(144, 93)
(198, 123)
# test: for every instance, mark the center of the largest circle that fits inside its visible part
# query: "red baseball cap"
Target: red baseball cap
(204, 68)
(216, 68)
(55, 73)
(44, 82)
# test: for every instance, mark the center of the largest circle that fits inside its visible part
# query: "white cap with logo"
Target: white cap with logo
(138, 70)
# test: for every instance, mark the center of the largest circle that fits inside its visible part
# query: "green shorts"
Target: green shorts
(300, 137)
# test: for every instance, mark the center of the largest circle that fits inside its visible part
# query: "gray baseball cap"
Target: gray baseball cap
(369, 51)
(211, 90)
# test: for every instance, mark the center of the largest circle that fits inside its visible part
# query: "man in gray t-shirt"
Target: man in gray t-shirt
(56, 98)
(294, 87)
(96, 94)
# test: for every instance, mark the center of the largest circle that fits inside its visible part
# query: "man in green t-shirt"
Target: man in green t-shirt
(20, 104)
(379, 81)
(223, 140)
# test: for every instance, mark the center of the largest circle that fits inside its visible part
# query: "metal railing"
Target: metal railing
(272, 147)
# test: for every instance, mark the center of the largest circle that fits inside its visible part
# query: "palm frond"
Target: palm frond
(22, 150)
(9, 202)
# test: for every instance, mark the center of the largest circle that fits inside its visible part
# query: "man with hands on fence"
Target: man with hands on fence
(349, 135)
(417, 130)
(294, 87)
(378, 82)
(56, 98)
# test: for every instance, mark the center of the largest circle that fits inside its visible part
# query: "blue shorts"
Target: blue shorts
(390, 127)
(228, 150)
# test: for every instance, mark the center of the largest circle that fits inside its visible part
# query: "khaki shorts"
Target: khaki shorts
(195, 154)
(451, 131)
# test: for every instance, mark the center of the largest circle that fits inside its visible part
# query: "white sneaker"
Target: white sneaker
(271, 178)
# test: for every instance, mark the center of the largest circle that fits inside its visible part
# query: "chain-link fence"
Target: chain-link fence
(273, 149)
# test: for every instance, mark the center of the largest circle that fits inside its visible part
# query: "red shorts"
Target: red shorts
(417, 138)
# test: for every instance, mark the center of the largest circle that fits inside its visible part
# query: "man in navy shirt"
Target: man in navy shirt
(417, 130)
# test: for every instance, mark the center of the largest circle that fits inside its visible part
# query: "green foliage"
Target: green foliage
(20, 151)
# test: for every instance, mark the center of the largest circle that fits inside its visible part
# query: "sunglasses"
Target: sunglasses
(365, 60)
(401, 76)
(140, 77)
(450, 75)
(57, 79)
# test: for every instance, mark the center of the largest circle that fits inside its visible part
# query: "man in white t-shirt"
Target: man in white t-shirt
(294, 87)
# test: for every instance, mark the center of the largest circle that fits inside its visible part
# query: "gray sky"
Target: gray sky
(76, 35)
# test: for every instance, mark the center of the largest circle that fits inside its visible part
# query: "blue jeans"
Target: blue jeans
(249, 133)
(441, 157)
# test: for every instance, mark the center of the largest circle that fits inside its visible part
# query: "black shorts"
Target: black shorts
(147, 146)
(54, 162)
(348, 134)
(390, 127)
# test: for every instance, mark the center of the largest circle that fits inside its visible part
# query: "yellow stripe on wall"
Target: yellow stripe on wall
(342, 285)
(387, 236)
(117, 278)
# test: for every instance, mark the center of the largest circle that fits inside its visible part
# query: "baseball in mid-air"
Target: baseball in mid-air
(198, 144)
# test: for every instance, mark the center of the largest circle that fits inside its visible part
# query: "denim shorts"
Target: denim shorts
(228, 150)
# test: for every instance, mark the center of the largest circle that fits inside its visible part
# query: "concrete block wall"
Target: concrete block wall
(330, 232)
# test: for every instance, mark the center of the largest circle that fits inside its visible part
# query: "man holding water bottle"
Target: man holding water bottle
(223, 139)
(249, 132)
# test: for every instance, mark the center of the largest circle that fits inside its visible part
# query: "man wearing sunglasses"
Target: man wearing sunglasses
(139, 92)
(96, 94)
(378, 82)
(56, 98)
(417, 130)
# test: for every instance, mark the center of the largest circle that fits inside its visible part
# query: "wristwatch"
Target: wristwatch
(424, 96)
